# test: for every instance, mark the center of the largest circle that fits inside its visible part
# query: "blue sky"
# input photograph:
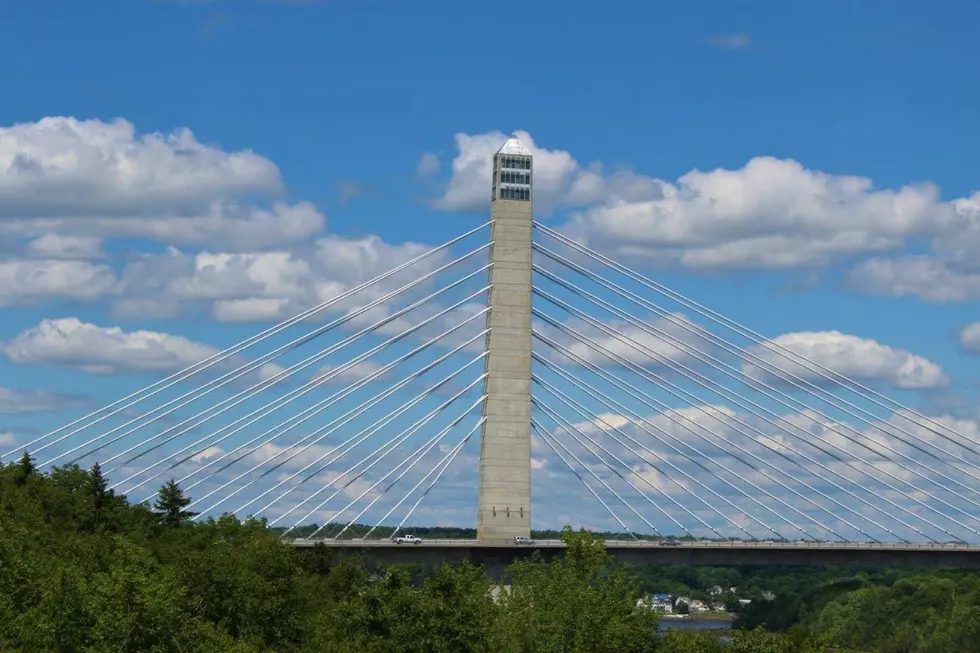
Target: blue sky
(807, 170)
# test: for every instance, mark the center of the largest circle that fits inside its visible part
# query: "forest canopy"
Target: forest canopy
(81, 569)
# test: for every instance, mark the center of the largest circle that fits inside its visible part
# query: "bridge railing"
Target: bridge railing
(618, 544)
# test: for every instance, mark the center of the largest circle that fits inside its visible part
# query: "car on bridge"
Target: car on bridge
(669, 543)
(407, 539)
(520, 539)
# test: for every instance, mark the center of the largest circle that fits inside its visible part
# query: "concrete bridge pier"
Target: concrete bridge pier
(504, 503)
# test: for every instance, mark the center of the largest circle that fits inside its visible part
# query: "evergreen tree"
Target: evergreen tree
(26, 467)
(170, 505)
(100, 495)
(100, 488)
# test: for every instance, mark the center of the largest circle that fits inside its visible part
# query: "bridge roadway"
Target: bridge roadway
(496, 555)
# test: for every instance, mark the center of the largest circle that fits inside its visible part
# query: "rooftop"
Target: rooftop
(514, 146)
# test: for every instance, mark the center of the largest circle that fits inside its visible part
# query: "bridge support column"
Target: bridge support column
(504, 504)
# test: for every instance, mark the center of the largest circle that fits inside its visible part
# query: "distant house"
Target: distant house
(698, 606)
(744, 601)
(658, 603)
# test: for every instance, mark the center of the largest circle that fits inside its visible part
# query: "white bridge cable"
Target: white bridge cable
(567, 401)
(441, 466)
(256, 389)
(249, 367)
(626, 413)
(546, 439)
(733, 373)
(358, 438)
(324, 431)
(671, 388)
(741, 491)
(574, 433)
(381, 453)
(594, 418)
(746, 355)
(742, 401)
(415, 459)
(214, 359)
(566, 425)
(657, 405)
(278, 403)
(864, 391)
(592, 472)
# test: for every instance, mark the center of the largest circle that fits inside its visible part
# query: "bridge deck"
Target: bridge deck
(614, 545)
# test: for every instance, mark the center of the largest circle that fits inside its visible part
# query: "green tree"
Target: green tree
(26, 467)
(170, 505)
(580, 603)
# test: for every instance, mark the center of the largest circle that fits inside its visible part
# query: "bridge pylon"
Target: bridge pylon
(504, 503)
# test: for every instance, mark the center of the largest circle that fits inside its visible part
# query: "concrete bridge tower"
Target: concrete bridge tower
(504, 504)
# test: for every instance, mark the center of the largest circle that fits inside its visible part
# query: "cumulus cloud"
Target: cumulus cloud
(851, 356)
(69, 342)
(68, 187)
(14, 401)
(55, 246)
(89, 180)
(664, 341)
(970, 337)
(268, 285)
(469, 187)
(27, 281)
(927, 277)
(64, 167)
(770, 214)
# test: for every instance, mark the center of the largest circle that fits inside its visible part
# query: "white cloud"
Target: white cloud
(7, 439)
(69, 186)
(27, 281)
(64, 167)
(55, 246)
(69, 342)
(88, 180)
(678, 344)
(970, 337)
(14, 401)
(926, 277)
(207, 455)
(350, 375)
(469, 187)
(770, 214)
(265, 285)
(851, 356)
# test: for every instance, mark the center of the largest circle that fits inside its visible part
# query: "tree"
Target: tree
(100, 487)
(26, 467)
(170, 505)
(581, 603)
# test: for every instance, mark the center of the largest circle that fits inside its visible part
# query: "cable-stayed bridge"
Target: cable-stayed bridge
(514, 362)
